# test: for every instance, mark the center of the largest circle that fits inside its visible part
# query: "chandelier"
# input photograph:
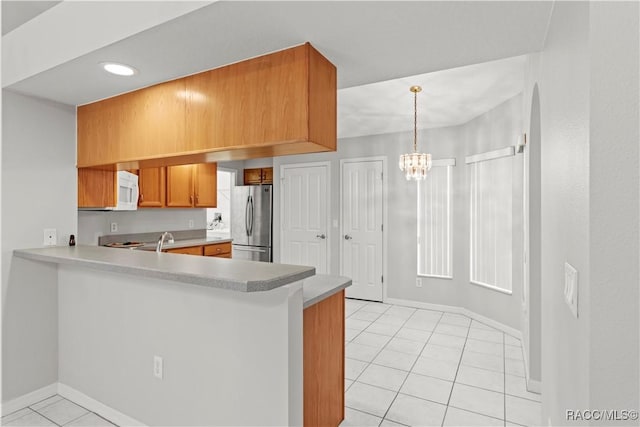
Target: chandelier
(415, 165)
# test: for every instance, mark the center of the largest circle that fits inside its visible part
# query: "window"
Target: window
(434, 221)
(491, 219)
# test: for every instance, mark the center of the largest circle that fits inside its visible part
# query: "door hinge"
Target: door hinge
(381, 227)
(382, 176)
(382, 279)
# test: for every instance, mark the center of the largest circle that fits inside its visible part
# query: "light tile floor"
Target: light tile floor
(55, 411)
(415, 367)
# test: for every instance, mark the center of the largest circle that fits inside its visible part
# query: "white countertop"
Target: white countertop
(235, 275)
(322, 286)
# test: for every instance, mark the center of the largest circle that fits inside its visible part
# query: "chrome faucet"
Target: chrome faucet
(165, 236)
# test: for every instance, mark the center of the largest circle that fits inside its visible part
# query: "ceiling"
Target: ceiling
(369, 42)
(16, 13)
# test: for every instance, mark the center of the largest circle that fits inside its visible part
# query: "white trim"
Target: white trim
(28, 399)
(99, 408)
(75, 396)
(492, 287)
(459, 310)
(385, 213)
(491, 155)
(534, 386)
(435, 276)
(328, 205)
(443, 162)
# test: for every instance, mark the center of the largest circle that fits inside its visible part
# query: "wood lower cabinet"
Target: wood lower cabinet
(192, 186)
(323, 360)
(152, 183)
(258, 176)
(191, 250)
(222, 250)
(218, 250)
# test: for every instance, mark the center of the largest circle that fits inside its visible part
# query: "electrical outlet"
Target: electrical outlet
(50, 237)
(418, 282)
(114, 227)
(571, 288)
(158, 371)
(190, 223)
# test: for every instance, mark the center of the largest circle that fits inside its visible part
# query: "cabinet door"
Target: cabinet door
(219, 250)
(152, 183)
(252, 176)
(96, 188)
(180, 186)
(145, 123)
(191, 250)
(206, 185)
(267, 175)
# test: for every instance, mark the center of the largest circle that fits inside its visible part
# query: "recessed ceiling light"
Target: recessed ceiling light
(119, 69)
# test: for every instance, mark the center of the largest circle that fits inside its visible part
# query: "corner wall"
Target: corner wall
(38, 191)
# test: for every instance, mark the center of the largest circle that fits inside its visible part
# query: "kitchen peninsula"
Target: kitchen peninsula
(229, 335)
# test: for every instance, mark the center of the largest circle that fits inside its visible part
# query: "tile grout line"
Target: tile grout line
(504, 377)
(414, 362)
(453, 383)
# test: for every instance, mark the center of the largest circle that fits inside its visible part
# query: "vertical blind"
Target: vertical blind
(434, 221)
(491, 221)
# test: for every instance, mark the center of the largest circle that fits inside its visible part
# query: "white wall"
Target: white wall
(229, 358)
(92, 224)
(498, 128)
(38, 191)
(590, 196)
(614, 186)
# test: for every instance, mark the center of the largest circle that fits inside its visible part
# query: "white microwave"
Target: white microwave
(126, 194)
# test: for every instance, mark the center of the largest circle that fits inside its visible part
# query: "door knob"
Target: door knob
(321, 236)
(347, 237)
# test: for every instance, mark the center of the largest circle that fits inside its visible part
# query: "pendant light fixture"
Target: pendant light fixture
(415, 165)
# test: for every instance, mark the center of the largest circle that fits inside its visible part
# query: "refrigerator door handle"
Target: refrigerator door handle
(246, 217)
(249, 250)
(251, 218)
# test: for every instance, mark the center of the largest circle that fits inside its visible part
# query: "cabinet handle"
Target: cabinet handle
(141, 197)
(197, 199)
(191, 199)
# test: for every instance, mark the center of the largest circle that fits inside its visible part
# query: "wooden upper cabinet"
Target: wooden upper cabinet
(152, 185)
(180, 186)
(252, 176)
(267, 175)
(192, 186)
(146, 123)
(258, 176)
(205, 183)
(277, 104)
(96, 188)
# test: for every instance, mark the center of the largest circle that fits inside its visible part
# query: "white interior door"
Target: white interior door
(305, 209)
(362, 232)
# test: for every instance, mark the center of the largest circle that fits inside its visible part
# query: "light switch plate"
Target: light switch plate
(571, 288)
(50, 237)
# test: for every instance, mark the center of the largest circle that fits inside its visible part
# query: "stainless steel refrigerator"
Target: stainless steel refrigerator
(251, 223)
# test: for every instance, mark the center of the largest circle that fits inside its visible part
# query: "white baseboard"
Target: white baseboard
(532, 385)
(459, 310)
(74, 395)
(28, 399)
(99, 408)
